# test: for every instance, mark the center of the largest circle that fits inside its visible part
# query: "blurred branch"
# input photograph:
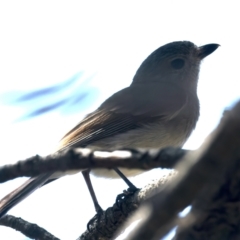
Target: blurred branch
(71, 95)
(85, 158)
(217, 216)
(49, 90)
(28, 229)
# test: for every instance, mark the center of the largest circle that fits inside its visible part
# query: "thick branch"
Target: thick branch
(30, 230)
(85, 158)
(216, 216)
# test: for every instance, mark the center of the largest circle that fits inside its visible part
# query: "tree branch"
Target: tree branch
(28, 229)
(217, 216)
(85, 158)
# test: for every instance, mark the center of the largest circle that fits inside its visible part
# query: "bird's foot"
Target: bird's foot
(122, 197)
(95, 220)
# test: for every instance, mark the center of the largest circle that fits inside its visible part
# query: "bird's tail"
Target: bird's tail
(16, 196)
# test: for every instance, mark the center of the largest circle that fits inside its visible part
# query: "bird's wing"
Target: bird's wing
(126, 110)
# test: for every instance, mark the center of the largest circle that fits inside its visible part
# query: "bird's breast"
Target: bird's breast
(160, 134)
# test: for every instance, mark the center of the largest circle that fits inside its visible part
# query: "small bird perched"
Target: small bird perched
(159, 109)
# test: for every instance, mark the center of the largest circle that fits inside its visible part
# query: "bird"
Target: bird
(159, 109)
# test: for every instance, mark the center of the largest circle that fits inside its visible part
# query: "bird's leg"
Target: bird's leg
(98, 208)
(132, 189)
(87, 179)
(125, 179)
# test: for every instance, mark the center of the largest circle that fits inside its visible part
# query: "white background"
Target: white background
(43, 43)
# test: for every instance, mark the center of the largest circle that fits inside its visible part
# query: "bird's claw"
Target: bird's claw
(96, 218)
(126, 193)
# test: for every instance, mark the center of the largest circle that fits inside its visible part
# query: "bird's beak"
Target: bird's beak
(206, 50)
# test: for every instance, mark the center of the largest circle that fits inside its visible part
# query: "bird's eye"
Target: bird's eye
(178, 63)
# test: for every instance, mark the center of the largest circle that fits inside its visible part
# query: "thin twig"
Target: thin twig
(30, 230)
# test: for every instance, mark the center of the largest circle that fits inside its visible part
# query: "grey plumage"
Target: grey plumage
(159, 109)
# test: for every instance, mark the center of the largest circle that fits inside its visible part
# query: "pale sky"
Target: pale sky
(43, 43)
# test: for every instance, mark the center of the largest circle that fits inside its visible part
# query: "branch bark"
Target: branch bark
(28, 229)
(85, 158)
